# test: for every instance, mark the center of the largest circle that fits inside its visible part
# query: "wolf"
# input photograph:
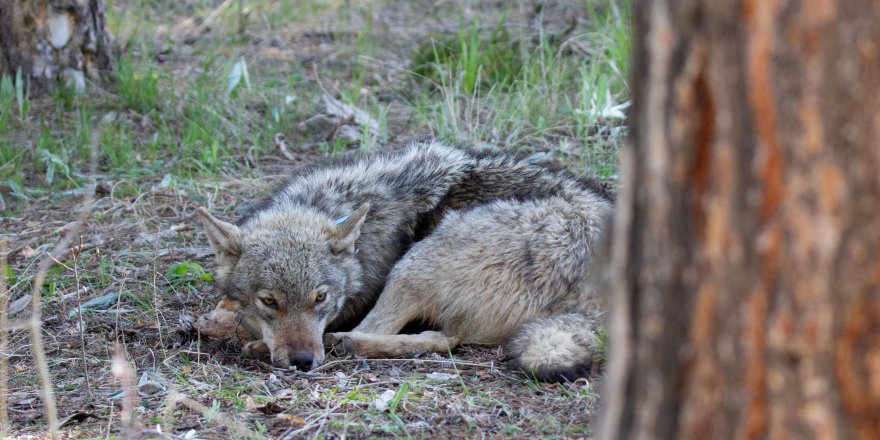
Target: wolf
(485, 247)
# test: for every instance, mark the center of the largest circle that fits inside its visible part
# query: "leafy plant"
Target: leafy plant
(187, 272)
(22, 94)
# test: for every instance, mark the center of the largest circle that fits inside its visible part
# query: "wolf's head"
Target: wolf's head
(288, 272)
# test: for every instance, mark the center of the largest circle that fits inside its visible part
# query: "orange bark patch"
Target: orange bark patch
(858, 377)
(704, 317)
(705, 383)
(759, 16)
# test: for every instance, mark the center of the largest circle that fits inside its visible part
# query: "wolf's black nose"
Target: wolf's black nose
(302, 361)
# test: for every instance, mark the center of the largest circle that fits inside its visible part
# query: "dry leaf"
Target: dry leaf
(296, 420)
(29, 252)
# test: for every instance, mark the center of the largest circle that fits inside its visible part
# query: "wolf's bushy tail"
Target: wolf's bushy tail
(561, 347)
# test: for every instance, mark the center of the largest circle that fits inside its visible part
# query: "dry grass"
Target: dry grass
(131, 365)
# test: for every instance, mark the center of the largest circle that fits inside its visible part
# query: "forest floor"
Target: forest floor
(211, 104)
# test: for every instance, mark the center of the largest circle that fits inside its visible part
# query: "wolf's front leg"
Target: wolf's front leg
(255, 349)
(224, 322)
(407, 296)
(379, 346)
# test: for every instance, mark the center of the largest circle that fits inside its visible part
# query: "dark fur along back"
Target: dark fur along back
(411, 190)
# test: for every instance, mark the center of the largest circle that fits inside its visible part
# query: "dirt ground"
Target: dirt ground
(141, 267)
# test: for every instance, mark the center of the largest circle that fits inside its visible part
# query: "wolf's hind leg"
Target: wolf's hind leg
(379, 346)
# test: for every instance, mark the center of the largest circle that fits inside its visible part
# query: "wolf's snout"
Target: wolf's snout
(302, 360)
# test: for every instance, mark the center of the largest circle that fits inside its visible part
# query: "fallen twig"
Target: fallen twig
(47, 395)
(4, 344)
(317, 421)
(82, 325)
(282, 145)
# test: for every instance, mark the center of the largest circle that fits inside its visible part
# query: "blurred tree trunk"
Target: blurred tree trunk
(52, 39)
(746, 256)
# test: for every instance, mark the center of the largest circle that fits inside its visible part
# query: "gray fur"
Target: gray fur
(557, 346)
(503, 241)
(520, 273)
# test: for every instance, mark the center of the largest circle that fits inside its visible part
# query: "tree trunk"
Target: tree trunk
(746, 255)
(52, 39)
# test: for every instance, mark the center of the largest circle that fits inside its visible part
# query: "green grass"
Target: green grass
(486, 82)
(116, 146)
(137, 85)
(477, 59)
(14, 109)
(487, 85)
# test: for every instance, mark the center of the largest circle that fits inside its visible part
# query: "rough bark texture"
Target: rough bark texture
(746, 256)
(51, 39)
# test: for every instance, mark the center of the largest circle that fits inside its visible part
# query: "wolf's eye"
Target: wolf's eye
(269, 302)
(320, 297)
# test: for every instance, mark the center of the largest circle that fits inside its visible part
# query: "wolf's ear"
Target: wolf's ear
(225, 238)
(346, 233)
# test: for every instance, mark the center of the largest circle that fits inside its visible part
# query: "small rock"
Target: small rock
(151, 384)
(186, 323)
(441, 376)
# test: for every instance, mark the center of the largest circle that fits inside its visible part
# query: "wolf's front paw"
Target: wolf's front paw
(218, 323)
(340, 342)
(255, 349)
